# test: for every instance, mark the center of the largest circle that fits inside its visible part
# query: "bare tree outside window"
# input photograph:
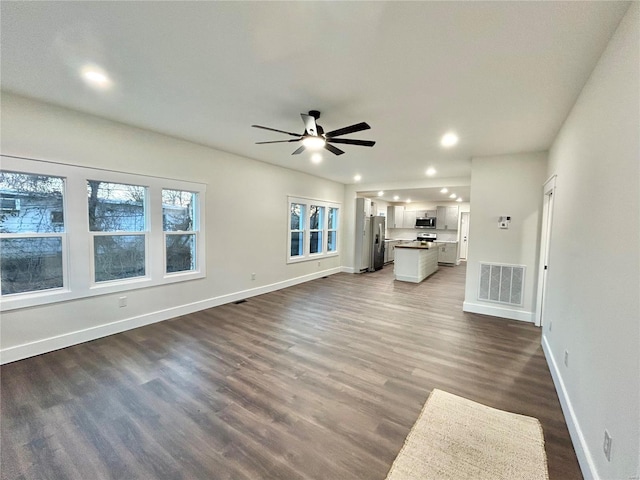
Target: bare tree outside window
(178, 223)
(297, 217)
(316, 225)
(117, 208)
(31, 238)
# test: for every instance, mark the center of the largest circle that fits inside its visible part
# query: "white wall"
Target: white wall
(246, 222)
(505, 185)
(592, 306)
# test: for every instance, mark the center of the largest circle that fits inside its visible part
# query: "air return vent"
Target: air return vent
(501, 283)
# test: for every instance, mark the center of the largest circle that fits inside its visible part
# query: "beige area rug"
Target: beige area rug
(456, 438)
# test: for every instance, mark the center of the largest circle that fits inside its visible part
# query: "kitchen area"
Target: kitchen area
(413, 238)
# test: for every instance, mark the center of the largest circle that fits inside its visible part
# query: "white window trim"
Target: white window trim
(195, 230)
(78, 262)
(306, 255)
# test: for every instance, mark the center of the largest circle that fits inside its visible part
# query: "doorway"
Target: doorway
(464, 235)
(545, 237)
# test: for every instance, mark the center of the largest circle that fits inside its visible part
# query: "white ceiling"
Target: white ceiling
(419, 195)
(503, 75)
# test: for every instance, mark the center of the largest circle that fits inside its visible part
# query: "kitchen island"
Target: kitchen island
(415, 261)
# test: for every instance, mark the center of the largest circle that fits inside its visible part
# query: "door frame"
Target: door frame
(548, 198)
(462, 233)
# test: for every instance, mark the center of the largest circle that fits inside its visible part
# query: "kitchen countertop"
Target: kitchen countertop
(446, 241)
(418, 245)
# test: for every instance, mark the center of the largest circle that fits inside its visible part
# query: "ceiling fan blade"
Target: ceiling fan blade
(279, 141)
(349, 141)
(299, 150)
(332, 149)
(350, 129)
(309, 124)
(276, 130)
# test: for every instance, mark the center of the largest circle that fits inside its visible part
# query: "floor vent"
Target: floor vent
(501, 283)
(240, 301)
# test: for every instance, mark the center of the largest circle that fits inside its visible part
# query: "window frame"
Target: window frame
(329, 230)
(77, 243)
(114, 233)
(307, 255)
(195, 231)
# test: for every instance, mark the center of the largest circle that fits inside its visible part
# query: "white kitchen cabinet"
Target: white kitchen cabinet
(395, 217)
(415, 264)
(447, 218)
(448, 253)
(409, 219)
(367, 207)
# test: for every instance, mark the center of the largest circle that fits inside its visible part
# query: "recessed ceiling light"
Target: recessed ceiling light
(95, 76)
(396, 198)
(449, 139)
(459, 199)
(357, 178)
(453, 195)
(444, 190)
(380, 193)
(316, 158)
(408, 200)
(431, 171)
(313, 142)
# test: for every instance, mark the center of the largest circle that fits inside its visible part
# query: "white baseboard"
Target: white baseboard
(408, 278)
(348, 269)
(19, 352)
(496, 311)
(585, 460)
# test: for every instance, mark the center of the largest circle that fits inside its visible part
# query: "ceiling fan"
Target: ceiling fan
(315, 138)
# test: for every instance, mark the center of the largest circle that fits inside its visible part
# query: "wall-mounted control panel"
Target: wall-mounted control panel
(504, 221)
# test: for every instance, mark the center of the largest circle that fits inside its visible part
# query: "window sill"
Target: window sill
(309, 258)
(18, 301)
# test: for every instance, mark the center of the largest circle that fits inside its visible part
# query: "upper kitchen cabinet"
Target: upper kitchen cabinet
(366, 205)
(409, 219)
(395, 217)
(447, 218)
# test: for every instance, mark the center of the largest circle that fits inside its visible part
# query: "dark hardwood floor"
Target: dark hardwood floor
(319, 381)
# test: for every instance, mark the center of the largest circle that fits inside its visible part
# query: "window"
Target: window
(32, 244)
(70, 232)
(296, 237)
(180, 236)
(316, 226)
(119, 210)
(332, 230)
(313, 229)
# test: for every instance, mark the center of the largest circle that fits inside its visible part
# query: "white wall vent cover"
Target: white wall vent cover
(501, 283)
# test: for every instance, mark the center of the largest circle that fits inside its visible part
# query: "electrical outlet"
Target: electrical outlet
(606, 446)
(566, 358)
(122, 302)
(253, 276)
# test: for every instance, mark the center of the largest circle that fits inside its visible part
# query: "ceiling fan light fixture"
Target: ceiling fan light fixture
(313, 143)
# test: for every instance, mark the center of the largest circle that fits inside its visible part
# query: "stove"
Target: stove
(427, 237)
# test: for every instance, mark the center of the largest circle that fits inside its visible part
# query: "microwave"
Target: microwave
(426, 222)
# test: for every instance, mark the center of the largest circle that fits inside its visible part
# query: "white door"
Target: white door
(545, 237)
(464, 235)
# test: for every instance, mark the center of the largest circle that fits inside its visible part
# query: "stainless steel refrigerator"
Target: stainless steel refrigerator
(369, 239)
(377, 243)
